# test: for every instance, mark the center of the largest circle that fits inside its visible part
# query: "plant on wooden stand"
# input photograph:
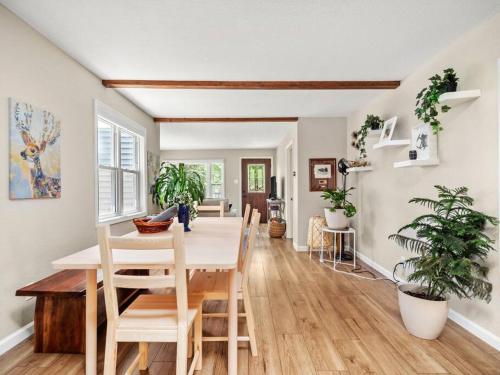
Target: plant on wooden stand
(428, 98)
(452, 248)
(341, 209)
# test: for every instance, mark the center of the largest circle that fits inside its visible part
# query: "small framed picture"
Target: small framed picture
(388, 129)
(322, 174)
(322, 171)
(422, 141)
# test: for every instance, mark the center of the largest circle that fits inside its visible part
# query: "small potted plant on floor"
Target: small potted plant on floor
(452, 248)
(337, 215)
(179, 186)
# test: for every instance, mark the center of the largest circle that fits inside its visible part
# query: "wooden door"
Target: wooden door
(256, 184)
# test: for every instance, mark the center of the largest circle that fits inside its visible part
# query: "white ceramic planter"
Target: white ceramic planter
(336, 220)
(422, 318)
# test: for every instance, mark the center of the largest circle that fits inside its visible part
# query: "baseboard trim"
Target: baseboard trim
(15, 338)
(298, 247)
(467, 324)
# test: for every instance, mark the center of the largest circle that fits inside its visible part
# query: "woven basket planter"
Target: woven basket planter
(277, 228)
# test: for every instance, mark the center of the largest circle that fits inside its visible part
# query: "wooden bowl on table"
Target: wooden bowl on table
(144, 225)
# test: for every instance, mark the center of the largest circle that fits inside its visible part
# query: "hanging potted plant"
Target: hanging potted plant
(181, 187)
(341, 209)
(427, 106)
(372, 122)
(452, 248)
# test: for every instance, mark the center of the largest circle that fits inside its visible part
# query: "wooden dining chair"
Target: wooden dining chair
(214, 286)
(219, 208)
(150, 318)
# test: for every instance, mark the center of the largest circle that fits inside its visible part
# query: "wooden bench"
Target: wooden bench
(60, 310)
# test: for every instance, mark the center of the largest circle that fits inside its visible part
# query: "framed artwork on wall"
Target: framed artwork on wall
(322, 174)
(35, 152)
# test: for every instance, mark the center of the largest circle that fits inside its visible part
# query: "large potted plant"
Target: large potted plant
(451, 247)
(341, 209)
(427, 106)
(179, 186)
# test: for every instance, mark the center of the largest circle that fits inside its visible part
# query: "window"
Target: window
(256, 178)
(120, 171)
(211, 171)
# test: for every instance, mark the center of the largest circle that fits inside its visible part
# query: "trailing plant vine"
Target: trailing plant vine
(427, 105)
(359, 137)
(451, 245)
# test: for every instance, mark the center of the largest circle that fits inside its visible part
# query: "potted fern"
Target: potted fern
(452, 248)
(179, 186)
(341, 209)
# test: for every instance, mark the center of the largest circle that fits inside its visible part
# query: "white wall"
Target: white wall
(317, 138)
(313, 138)
(232, 165)
(35, 232)
(468, 152)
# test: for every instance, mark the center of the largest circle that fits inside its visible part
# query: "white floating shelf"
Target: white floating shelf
(416, 163)
(360, 169)
(392, 143)
(459, 97)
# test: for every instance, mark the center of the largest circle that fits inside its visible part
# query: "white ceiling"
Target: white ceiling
(251, 40)
(212, 136)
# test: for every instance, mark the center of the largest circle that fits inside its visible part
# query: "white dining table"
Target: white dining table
(213, 243)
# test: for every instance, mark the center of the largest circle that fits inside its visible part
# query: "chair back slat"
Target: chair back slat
(112, 281)
(243, 233)
(247, 255)
(144, 282)
(219, 208)
(141, 243)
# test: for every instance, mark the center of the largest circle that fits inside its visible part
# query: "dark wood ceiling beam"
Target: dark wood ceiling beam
(250, 85)
(225, 119)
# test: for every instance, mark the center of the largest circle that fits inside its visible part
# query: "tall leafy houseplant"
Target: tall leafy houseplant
(452, 248)
(341, 209)
(177, 185)
(427, 106)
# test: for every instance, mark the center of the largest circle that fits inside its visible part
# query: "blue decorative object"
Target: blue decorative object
(183, 215)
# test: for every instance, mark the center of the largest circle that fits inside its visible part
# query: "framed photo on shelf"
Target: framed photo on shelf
(424, 142)
(322, 174)
(388, 129)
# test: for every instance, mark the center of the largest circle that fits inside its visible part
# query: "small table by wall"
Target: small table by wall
(335, 232)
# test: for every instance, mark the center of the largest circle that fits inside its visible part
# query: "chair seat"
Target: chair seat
(153, 318)
(213, 285)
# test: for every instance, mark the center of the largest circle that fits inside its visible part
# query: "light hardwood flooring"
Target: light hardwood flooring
(309, 321)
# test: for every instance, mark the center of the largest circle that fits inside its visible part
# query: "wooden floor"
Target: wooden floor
(309, 320)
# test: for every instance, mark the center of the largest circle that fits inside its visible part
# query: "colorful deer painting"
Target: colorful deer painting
(35, 170)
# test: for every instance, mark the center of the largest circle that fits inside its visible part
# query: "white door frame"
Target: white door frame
(289, 189)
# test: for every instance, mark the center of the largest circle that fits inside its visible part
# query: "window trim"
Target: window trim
(209, 173)
(121, 121)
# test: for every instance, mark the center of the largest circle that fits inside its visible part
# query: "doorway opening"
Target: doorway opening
(256, 184)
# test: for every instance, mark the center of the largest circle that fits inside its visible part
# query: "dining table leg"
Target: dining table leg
(91, 323)
(232, 351)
